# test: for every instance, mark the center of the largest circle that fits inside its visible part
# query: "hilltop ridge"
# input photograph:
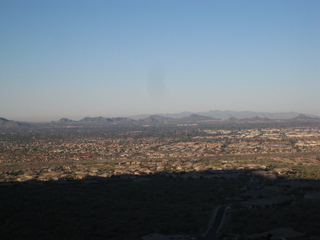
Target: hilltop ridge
(8, 123)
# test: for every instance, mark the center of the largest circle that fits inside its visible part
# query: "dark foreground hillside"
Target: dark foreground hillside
(108, 209)
(124, 207)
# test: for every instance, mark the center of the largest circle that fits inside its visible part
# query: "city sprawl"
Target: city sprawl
(150, 151)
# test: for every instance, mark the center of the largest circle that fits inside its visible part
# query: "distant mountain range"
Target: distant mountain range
(192, 118)
(177, 118)
(217, 114)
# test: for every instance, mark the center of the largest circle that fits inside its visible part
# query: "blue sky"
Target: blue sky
(120, 58)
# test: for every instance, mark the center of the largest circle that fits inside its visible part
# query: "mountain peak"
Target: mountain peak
(302, 116)
(155, 118)
(93, 119)
(65, 120)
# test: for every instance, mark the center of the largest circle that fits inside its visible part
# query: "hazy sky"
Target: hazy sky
(120, 58)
